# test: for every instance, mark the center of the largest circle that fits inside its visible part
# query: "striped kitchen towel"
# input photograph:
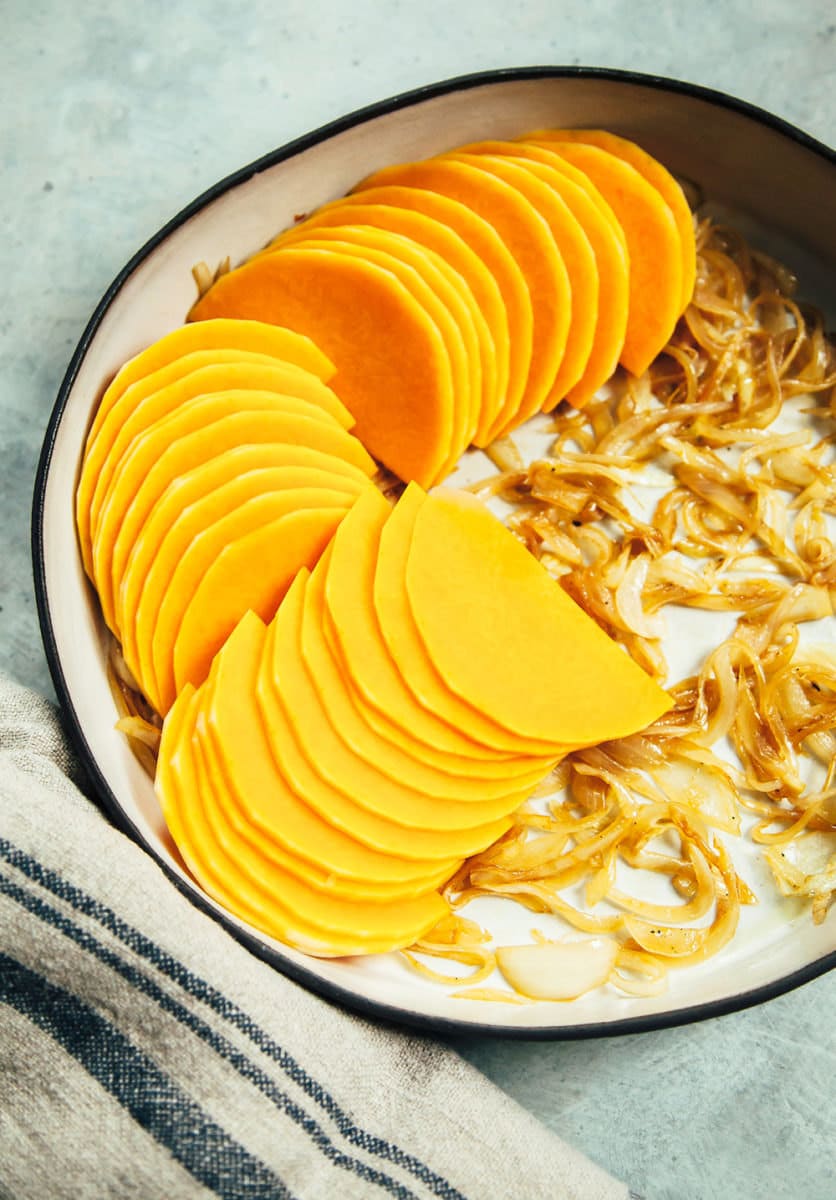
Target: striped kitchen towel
(145, 1053)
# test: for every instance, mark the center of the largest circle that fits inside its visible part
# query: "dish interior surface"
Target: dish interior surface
(777, 189)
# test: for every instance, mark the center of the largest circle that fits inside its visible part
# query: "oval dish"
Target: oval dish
(779, 183)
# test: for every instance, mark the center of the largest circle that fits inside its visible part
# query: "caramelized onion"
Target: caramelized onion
(743, 527)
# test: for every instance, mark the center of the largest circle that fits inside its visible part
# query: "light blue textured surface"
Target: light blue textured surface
(114, 117)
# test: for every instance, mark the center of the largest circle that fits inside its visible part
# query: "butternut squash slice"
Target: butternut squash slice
(653, 244)
(363, 654)
(289, 526)
(249, 336)
(172, 527)
(113, 530)
(153, 460)
(301, 467)
(513, 771)
(480, 287)
(529, 240)
(558, 678)
(230, 721)
(222, 334)
(136, 411)
(609, 246)
(201, 373)
(334, 700)
(372, 829)
(281, 904)
(253, 572)
(164, 784)
(218, 437)
(249, 848)
(581, 312)
(657, 175)
(206, 381)
(492, 251)
(381, 796)
(99, 448)
(444, 296)
(386, 780)
(393, 370)
(401, 635)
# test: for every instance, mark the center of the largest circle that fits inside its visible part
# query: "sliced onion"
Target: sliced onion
(628, 601)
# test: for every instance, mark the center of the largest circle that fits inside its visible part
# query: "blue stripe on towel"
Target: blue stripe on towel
(226, 1008)
(239, 1061)
(152, 1098)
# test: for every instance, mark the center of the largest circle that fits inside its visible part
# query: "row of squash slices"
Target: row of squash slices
(354, 693)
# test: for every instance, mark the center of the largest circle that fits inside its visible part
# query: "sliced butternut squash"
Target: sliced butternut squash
(249, 848)
(113, 530)
(653, 244)
(231, 723)
(164, 784)
(193, 390)
(362, 740)
(173, 525)
(253, 572)
(405, 799)
(394, 372)
(528, 239)
(558, 677)
(428, 231)
(300, 466)
(444, 296)
(412, 810)
(657, 175)
(581, 312)
(222, 334)
(153, 459)
(212, 565)
(401, 635)
(480, 291)
(492, 251)
(248, 336)
(609, 246)
(513, 771)
(279, 903)
(203, 373)
(350, 615)
(98, 449)
(379, 832)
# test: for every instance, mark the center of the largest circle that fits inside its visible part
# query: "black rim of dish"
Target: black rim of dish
(359, 1003)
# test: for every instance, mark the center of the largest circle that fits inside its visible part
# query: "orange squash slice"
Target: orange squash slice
(581, 313)
(153, 459)
(393, 369)
(364, 657)
(528, 239)
(343, 717)
(657, 175)
(467, 274)
(444, 296)
(279, 903)
(402, 637)
(289, 527)
(589, 690)
(253, 786)
(653, 244)
(249, 336)
(609, 246)
(491, 316)
(492, 251)
(301, 466)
